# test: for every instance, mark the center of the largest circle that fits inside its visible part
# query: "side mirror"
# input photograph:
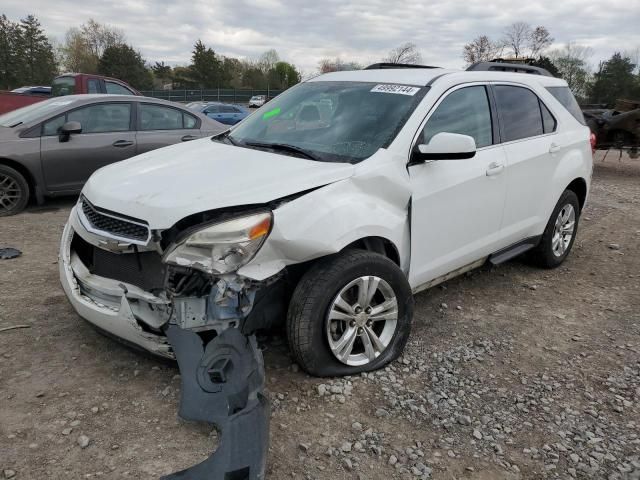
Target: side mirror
(445, 146)
(69, 128)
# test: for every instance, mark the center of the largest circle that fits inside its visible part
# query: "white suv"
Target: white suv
(329, 208)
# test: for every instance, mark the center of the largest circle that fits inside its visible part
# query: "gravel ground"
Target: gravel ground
(510, 373)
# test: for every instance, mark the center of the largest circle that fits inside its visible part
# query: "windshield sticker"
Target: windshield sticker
(271, 113)
(397, 89)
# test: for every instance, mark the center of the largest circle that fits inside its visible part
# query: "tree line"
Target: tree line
(616, 77)
(29, 57)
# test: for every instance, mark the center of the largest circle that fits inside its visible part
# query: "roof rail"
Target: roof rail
(508, 67)
(384, 66)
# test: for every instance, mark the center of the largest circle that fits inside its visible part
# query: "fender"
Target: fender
(372, 203)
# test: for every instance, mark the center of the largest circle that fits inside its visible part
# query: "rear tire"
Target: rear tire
(334, 330)
(559, 234)
(14, 191)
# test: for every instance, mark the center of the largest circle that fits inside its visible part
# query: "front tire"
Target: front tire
(560, 232)
(349, 313)
(14, 191)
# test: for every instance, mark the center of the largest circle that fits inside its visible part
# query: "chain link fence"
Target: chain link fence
(225, 95)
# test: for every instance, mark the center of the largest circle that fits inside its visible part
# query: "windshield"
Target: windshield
(32, 112)
(332, 121)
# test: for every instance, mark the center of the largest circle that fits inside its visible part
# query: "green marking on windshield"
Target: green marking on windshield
(271, 113)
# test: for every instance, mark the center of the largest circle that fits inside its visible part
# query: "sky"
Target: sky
(303, 32)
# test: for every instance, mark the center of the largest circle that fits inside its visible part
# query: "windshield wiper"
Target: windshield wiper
(15, 125)
(285, 147)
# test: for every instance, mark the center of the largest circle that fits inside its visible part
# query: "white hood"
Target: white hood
(166, 185)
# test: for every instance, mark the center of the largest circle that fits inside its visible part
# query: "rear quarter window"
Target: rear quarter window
(568, 101)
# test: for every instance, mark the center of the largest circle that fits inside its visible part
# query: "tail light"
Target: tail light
(592, 140)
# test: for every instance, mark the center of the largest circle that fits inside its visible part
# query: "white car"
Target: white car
(330, 209)
(257, 101)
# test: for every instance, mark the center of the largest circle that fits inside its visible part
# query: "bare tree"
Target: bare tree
(539, 40)
(517, 37)
(327, 65)
(268, 60)
(572, 63)
(84, 46)
(481, 49)
(406, 53)
(100, 36)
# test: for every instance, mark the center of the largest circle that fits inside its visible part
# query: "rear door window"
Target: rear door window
(189, 121)
(548, 122)
(568, 101)
(520, 114)
(158, 117)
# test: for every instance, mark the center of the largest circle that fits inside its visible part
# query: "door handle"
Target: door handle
(494, 168)
(186, 138)
(122, 143)
(554, 148)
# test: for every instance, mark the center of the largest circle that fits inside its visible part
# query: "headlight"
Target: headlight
(222, 247)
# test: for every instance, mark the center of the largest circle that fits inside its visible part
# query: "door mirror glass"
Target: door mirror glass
(68, 129)
(445, 146)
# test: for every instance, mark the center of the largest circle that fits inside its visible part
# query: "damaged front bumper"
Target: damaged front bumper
(114, 307)
(132, 295)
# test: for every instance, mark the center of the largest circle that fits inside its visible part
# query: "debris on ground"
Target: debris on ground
(7, 253)
(13, 327)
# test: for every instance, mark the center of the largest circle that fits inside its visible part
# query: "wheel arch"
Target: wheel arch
(579, 187)
(380, 245)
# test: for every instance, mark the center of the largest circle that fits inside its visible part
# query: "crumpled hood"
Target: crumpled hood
(166, 185)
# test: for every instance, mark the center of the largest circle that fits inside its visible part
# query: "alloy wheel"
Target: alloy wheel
(10, 192)
(563, 230)
(362, 320)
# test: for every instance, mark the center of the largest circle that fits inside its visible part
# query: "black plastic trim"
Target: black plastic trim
(508, 67)
(391, 66)
(514, 250)
(495, 122)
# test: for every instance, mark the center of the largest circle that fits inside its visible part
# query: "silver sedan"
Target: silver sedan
(52, 147)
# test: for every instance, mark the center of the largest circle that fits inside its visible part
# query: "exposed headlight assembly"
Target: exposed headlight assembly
(222, 247)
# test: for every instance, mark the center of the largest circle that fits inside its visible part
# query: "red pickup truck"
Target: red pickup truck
(67, 84)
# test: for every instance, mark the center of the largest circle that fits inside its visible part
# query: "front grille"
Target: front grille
(112, 223)
(143, 269)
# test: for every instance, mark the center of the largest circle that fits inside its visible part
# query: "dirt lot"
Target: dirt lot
(510, 373)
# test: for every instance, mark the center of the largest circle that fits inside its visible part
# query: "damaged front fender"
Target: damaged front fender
(372, 203)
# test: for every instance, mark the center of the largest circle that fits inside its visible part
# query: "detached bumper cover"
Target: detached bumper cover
(223, 384)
